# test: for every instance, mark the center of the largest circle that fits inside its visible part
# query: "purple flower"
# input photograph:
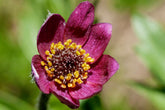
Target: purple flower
(71, 64)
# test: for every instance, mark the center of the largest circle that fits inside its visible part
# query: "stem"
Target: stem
(43, 100)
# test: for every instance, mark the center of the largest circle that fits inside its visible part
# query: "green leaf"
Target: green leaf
(152, 46)
(11, 101)
(62, 7)
(3, 107)
(155, 96)
(132, 5)
(93, 103)
(29, 25)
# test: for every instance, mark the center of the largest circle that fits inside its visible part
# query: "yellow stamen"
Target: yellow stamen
(78, 53)
(47, 52)
(84, 64)
(79, 81)
(82, 51)
(53, 51)
(85, 75)
(74, 81)
(86, 55)
(49, 63)
(52, 69)
(50, 55)
(48, 58)
(61, 47)
(70, 84)
(89, 59)
(50, 75)
(76, 74)
(55, 46)
(68, 77)
(69, 40)
(69, 74)
(86, 68)
(73, 46)
(42, 63)
(66, 44)
(59, 43)
(61, 77)
(63, 86)
(46, 68)
(78, 47)
(73, 85)
(48, 71)
(52, 46)
(58, 81)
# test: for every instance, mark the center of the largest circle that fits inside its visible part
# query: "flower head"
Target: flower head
(71, 64)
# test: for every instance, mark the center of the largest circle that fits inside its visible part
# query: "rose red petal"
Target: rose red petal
(103, 70)
(64, 96)
(87, 90)
(78, 23)
(51, 31)
(98, 39)
(39, 74)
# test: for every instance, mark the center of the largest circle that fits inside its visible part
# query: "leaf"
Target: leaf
(3, 107)
(28, 27)
(94, 103)
(132, 5)
(10, 101)
(152, 46)
(155, 96)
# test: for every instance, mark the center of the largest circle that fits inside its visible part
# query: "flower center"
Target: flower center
(67, 64)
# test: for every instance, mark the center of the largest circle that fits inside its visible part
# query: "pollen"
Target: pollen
(42, 63)
(86, 55)
(52, 69)
(53, 51)
(58, 81)
(85, 75)
(78, 47)
(82, 51)
(76, 74)
(68, 77)
(79, 81)
(63, 86)
(61, 77)
(78, 53)
(70, 84)
(47, 52)
(52, 46)
(67, 64)
(49, 63)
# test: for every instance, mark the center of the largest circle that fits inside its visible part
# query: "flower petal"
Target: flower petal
(64, 96)
(98, 39)
(39, 74)
(51, 31)
(78, 23)
(86, 90)
(103, 70)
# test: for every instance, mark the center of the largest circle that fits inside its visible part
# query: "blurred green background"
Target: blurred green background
(137, 43)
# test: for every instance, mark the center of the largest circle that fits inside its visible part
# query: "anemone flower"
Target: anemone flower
(71, 64)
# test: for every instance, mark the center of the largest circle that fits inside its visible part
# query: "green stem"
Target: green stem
(43, 101)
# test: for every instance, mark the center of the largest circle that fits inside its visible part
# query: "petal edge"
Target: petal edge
(39, 75)
(98, 39)
(51, 31)
(103, 70)
(78, 23)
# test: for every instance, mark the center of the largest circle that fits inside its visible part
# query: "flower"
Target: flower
(71, 64)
